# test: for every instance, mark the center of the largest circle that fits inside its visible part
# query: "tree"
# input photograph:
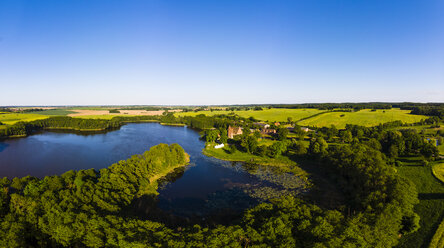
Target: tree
(249, 143)
(223, 136)
(256, 134)
(318, 146)
(429, 150)
(346, 136)
(282, 134)
(277, 148)
(298, 147)
(290, 120)
(211, 135)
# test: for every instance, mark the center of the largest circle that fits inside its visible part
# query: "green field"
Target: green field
(365, 117)
(106, 117)
(438, 171)
(431, 204)
(322, 118)
(11, 118)
(275, 114)
(59, 112)
(438, 238)
(441, 150)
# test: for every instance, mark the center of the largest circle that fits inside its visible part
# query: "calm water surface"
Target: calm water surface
(204, 184)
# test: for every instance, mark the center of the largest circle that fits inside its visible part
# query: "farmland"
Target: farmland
(364, 117)
(58, 112)
(11, 118)
(275, 114)
(322, 118)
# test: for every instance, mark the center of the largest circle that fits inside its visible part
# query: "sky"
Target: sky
(150, 52)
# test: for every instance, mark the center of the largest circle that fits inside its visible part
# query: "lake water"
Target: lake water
(206, 185)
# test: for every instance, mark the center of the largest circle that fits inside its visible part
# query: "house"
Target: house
(277, 124)
(219, 146)
(233, 131)
(262, 125)
(306, 129)
(268, 131)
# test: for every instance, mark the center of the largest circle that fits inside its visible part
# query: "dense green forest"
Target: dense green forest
(82, 207)
(58, 122)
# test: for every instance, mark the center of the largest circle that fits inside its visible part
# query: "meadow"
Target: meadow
(438, 238)
(59, 112)
(365, 117)
(431, 202)
(11, 118)
(274, 114)
(438, 171)
(321, 118)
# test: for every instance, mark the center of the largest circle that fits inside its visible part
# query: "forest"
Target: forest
(58, 122)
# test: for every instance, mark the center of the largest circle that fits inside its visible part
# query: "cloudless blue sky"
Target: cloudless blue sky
(84, 52)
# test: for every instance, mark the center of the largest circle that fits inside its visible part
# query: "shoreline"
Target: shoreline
(284, 164)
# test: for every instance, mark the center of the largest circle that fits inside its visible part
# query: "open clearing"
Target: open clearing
(11, 118)
(365, 117)
(274, 114)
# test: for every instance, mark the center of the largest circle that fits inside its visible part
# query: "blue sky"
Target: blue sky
(220, 52)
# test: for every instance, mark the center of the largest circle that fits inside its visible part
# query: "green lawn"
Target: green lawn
(60, 112)
(438, 238)
(431, 205)
(274, 114)
(441, 149)
(283, 162)
(11, 118)
(365, 117)
(438, 171)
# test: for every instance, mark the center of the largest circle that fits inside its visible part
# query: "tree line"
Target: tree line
(58, 122)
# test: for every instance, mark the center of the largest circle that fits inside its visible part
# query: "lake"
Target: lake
(205, 187)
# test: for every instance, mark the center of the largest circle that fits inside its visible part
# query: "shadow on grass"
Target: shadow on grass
(431, 196)
(325, 192)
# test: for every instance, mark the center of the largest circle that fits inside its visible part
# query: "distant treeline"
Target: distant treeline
(58, 122)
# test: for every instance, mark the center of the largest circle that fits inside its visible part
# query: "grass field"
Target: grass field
(275, 114)
(438, 171)
(11, 118)
(438, 238)
(431, 205)
(59, 112)
(282, 162)
(106, 117)
(364, 117)
(321, 118)
(441, 150)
